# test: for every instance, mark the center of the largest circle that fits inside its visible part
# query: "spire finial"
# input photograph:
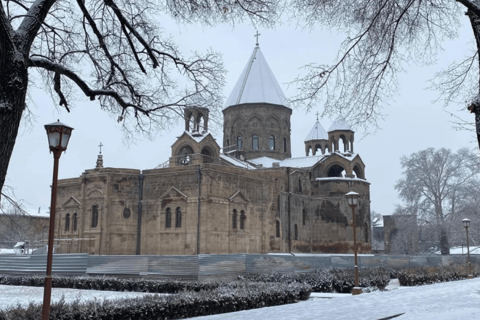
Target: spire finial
(256, 35)
(99, 158)
(317, 115)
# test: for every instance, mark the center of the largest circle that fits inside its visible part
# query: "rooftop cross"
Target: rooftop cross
(317, 115)
(256, 35)
(100, 145)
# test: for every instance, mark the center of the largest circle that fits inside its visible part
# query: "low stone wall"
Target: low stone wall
(211, 267)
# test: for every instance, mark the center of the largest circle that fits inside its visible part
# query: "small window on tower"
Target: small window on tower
(284, 144)
(255, 142)
(239, 143)
(271, 143)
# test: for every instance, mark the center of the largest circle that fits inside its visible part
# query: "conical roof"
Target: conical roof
(256, 84)
(317, 133)
(340, 124)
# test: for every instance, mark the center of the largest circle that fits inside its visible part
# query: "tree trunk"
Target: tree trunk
(13, 90)
(475, 107)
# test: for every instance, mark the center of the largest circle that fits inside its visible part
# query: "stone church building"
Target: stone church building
(247, 196)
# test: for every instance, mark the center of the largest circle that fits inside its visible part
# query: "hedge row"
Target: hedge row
(112, 284)
(226, 298)
(339, 280)
(418, 276)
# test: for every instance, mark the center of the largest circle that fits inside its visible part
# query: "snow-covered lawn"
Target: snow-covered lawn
(10, 296)
(443, 301)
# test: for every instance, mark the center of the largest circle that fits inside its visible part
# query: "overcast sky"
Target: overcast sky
(413, 121)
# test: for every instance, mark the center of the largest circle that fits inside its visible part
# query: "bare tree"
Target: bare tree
(433, 186)
(383, 35)
(112, 51)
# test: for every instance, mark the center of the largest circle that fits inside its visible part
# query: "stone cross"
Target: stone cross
(100, 145)
(317, 115)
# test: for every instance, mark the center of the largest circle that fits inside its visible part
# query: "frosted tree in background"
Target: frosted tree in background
(434, 185)
(114, 52)
(383, 36)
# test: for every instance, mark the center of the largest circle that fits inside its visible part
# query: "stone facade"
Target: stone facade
(250, 197)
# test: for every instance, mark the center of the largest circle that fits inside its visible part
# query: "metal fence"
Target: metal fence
(209, 266)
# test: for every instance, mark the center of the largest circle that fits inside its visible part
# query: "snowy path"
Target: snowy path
(444, 301)
(10, 296)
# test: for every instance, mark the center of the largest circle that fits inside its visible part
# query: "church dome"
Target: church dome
(317, 133)
(256, 84)
(340, 125)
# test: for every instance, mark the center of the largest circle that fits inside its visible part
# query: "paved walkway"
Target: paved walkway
(444, 301)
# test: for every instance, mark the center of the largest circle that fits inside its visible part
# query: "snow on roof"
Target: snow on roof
(256, 84)
(38, 212)
(266, 162)
(342, 179)
(302, 162)
(198, 137)
(317, 133)
(237, 162)
(340, 124)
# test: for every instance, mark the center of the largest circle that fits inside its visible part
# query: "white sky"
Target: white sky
(413, 121)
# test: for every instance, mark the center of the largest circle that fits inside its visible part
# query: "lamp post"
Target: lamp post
(352, 199)
(466, 224)
(58, 137)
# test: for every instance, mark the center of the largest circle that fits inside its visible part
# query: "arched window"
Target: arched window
(168, 218)
(284, 144)
(255, 142)
(271, 143)
(277, 228)
(304, 216)
(228, 145)
(74, 221)
(243, 217)
(178, 218)
(299, 186)
(296, 232)
(239, 143)
(234, 219)
(67, 222)
(94, 216)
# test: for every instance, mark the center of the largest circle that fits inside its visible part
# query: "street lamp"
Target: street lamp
(466, 224)
(58, 137)
(352, 199)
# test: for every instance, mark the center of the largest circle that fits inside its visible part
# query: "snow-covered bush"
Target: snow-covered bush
(340, 280)
(228, 297)
(427, 275)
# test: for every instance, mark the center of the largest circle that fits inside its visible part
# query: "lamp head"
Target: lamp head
(58, 135)
(466, 222)
(352, 198)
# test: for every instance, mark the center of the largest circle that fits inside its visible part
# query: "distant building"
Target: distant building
(400, 234)
(378, 241)
(31, 229)
(250, 196)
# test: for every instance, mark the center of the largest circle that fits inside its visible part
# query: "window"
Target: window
(234, 219)
(296, 232)
(277, 228)
(168, 218)
(67, 222)
(284, 144)
(242, 219)
(126, 213)
(299, 186)
(304, 216)
(178, 218)
(74, 221)
(239, 143)
(271, 143)
(94, 216)
(255, 142)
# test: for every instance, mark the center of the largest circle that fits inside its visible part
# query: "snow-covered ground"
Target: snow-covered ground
(10, 296)
(444, 301)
